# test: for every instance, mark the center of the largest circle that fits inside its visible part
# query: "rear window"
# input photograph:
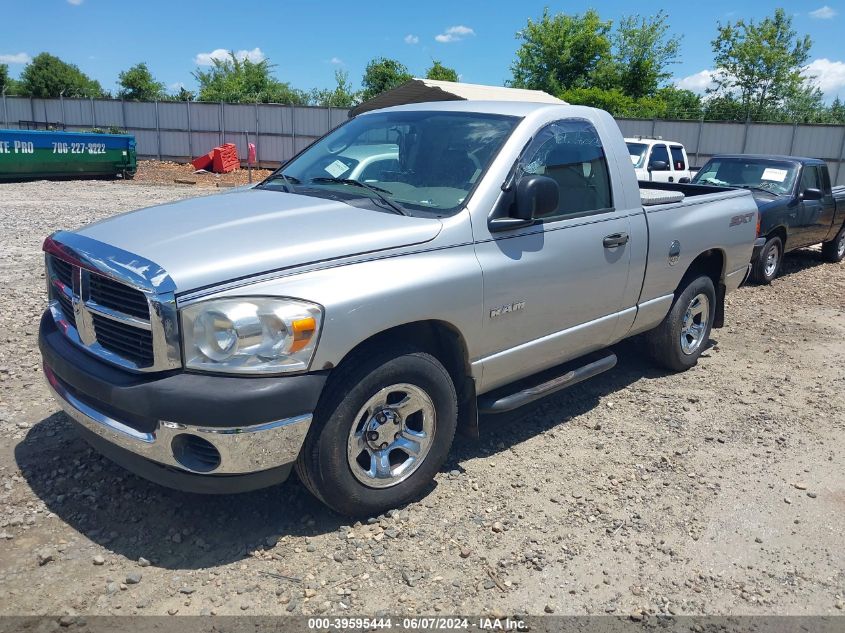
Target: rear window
(678, 157)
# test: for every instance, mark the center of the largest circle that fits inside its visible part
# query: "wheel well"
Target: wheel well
(438, 338)
(779, 232)
(711, 264)
(443, 341)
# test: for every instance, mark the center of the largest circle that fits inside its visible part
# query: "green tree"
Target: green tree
(138, 84)
(439, 72)
(643, 49)
(242, 80)
(183, 94)
(724, 107)
(7, 84)
(760, 62)
(341, 96)
(561, 52)
(836, 111)
(47, 76)
(805, 105)
(383, 74)
(680, 104)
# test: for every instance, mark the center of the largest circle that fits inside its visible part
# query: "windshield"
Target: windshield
(775, 177)
(409, 161)
(637, 152)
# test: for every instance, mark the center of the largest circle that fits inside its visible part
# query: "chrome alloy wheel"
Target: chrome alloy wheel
(840, 245)
(694, 326)
(391, 436)
(772, 259)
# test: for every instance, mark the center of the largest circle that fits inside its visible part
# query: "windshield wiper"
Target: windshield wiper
(289, 181)
(772, 193)
(357, 183)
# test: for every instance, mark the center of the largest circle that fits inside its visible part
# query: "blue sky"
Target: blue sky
(307, 40)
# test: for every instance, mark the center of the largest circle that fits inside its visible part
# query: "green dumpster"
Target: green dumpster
(39, 154)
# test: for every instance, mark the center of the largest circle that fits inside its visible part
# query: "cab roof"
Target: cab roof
(507, 108)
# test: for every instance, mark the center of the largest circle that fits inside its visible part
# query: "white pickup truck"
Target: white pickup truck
(416, 266)
(657, 160)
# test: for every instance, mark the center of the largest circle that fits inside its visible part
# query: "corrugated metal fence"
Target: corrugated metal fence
(181, 130)
(169, 130)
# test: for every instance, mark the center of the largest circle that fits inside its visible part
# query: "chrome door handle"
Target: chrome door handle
(617, 239)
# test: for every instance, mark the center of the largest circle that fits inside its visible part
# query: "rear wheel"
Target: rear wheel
(679, 340)
(765, 268)
(382, 432)
(834, 250)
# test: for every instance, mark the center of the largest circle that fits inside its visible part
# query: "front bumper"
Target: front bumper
(189, 431)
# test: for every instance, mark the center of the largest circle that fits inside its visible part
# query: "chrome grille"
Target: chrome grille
(63, 271)
(67, 307)
(117, 296)
(113, 304)
(125, 340)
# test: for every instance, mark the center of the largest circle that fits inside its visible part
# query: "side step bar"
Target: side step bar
(489, 403)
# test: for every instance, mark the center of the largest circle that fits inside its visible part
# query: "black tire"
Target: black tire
(664, 342)
(762, 271)
(323, 465)
(834, 250)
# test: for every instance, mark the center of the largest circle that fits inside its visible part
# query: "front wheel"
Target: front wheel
(834, 250)
(765, 268)
(679, 340)
(382, 432)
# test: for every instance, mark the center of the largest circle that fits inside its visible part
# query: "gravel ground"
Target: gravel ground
(167, 172)
(717, 491)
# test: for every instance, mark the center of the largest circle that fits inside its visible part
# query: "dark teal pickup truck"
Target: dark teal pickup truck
(797, 206)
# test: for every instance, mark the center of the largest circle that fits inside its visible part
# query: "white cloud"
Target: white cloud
(454, 34)
(412, 39)
(207, 59)
(16, 58)
(699, 82)
(337, 61)
(828, 75)
(75, 3)
(824, 13)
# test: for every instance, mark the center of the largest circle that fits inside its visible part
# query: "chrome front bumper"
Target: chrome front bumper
(242, 450)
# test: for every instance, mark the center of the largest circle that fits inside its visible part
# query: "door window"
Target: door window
(570, 153)
(678, 160)
(810, 178)
(658, 152)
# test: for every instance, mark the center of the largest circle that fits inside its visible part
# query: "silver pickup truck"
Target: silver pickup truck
(483, 256)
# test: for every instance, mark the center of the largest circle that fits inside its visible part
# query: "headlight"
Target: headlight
(254, 335)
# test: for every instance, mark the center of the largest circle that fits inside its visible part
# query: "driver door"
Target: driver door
(554, 290)
(815, 216)
(660, 153)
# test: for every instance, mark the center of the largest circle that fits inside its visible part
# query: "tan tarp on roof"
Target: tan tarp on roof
(423, 90)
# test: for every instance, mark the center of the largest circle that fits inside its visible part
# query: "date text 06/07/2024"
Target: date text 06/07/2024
(419, 623)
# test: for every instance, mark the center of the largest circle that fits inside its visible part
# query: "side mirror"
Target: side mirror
(812, 194)
(534, 196)
(658, 165)
(683, 180)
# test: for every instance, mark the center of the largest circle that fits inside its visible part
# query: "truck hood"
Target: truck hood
(766, 202)
(205, 241)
